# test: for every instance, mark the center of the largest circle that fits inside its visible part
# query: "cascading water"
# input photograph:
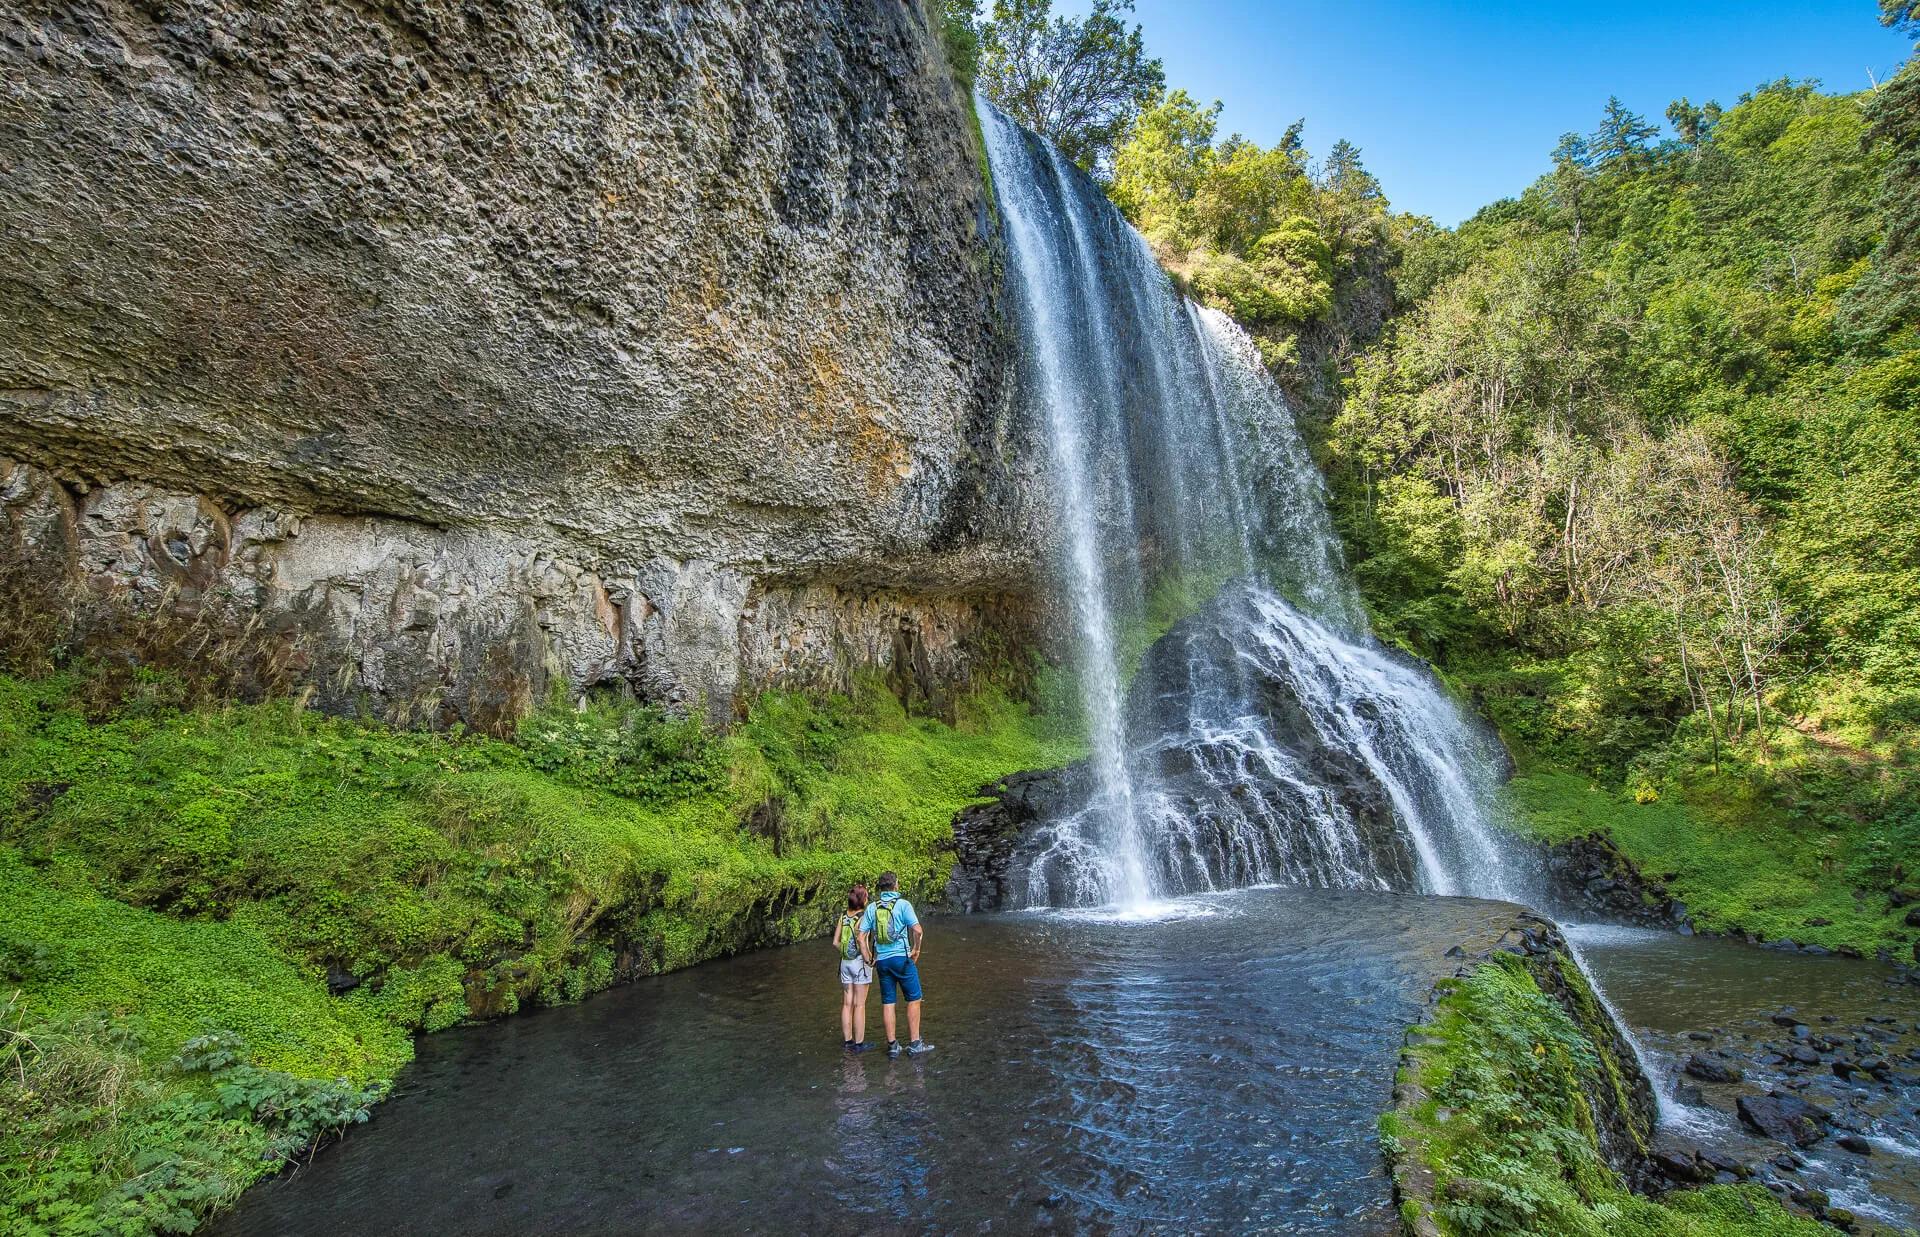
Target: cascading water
(1265, 737)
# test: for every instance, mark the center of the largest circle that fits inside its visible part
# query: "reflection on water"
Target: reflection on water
(1682, 995)
(1218, 1068)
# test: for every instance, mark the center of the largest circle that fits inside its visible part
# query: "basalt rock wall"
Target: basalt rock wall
(474, 347)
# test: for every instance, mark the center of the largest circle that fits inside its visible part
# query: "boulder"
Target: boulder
(1785, 1118)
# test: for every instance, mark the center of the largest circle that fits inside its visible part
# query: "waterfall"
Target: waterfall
(1264, 737)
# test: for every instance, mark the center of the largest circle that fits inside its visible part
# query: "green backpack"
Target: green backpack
(850, 946)
(883, 933)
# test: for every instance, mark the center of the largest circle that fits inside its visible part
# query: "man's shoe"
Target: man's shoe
(919, 1046)
(893, 1048)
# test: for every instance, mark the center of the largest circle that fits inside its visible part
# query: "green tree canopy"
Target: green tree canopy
(1081, 82)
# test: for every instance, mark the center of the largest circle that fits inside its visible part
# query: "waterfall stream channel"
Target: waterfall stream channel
(1186, 1012)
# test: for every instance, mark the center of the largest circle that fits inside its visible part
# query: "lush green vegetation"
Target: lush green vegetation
(178, 886)
(1638, 466)
(1506, 1120)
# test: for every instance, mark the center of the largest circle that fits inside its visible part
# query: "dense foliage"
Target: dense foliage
(1262, 233)
(179, 888)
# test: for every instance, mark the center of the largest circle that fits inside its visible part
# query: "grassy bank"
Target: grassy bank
(177, 888)
(1504, 1098)
(1810, 832)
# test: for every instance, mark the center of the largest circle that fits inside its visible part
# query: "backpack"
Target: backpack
(850, 946)
(883, 933)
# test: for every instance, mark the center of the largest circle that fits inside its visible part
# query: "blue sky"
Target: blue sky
(1457, 104)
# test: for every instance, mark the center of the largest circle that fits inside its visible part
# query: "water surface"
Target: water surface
(1216, 1068)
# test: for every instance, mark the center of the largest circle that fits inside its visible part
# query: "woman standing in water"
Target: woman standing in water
(855, 973)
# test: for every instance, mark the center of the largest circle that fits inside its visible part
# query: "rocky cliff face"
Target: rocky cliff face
(471, 346)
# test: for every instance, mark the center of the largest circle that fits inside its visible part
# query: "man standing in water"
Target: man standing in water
(890, 937)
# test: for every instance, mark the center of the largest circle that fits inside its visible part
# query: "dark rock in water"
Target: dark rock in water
(1855, 1144)
(1706, 1069)
(1785, 1118)
(1689, 1094)
(1804, 1055)
(1803, 1031)
(1678, 1167)
(1722, 1162)
(1771, 1058)
(1700, 1037)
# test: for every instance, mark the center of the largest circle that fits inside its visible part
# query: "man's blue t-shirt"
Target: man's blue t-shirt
(903, 918)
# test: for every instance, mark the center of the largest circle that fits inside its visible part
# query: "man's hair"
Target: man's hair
(888, 882)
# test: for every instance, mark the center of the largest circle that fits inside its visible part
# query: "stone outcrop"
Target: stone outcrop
(1589, 878)
(987, 836)
(482, 345)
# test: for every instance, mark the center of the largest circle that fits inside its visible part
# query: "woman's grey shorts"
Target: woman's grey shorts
(855, 971)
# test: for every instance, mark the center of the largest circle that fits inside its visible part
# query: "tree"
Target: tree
(1693, 124)
(1162, 165)
(1081, 83)
(1621, 140)
(1889, 296)
(1571, 165)
(1903, 15)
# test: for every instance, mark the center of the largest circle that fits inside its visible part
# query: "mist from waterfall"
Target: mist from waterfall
(1266, 737)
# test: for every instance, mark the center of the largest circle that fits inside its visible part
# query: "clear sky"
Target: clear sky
(1456, 104)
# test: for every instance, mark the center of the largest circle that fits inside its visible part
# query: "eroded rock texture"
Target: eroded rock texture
(608, 339)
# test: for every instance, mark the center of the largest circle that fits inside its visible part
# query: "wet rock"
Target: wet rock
(1854, 1143)
(1690, 1095)
(341, 981)
(1678, 1166)
(987, 836)
(1786, 1018)
(1590, 877)
(1785, 1118)
(1723, 1163)
(1803, 1031)
(1700, 1037)
(1913, 921)
(1706, 1069)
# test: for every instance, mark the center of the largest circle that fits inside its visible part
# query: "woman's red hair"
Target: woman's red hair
(857, 898)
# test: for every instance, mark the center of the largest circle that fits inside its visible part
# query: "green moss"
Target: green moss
(165, 874)
(1506, 1126)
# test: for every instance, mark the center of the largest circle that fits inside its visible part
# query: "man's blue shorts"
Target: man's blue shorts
(899, 969)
